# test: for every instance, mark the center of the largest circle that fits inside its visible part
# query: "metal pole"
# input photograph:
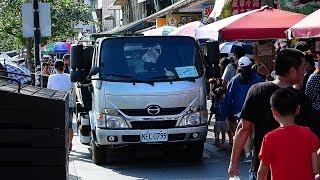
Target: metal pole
(37, 35)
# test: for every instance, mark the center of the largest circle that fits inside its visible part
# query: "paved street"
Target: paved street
(150, 163)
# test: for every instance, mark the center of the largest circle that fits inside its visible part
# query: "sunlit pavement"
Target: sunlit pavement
(151, 163)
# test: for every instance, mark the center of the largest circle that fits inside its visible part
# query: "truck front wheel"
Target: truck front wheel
(99, 153)
(195, 151)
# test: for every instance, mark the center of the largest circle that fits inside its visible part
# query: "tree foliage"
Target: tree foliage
(64, 15)
(11, 24)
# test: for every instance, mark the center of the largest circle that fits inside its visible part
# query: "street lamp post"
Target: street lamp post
(37, 35)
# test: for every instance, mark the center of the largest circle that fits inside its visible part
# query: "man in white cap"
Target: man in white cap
(237, 90)
(231, 69)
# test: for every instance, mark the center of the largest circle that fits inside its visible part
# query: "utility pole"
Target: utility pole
(36, 31)
(37, 35)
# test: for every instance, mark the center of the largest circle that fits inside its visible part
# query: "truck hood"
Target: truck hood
(164, 94)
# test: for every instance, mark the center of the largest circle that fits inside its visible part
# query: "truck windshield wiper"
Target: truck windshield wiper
(132, 79)
(163, 77)
(174, 78)
(118, 75)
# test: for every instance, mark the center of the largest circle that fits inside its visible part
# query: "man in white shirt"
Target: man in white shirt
(61, 81)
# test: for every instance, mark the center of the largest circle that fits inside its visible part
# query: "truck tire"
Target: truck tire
(195, 151)
(99, 153)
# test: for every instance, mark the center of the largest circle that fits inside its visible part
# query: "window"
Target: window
(145, 58)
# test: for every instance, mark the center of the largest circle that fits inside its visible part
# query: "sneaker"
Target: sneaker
(247, 159)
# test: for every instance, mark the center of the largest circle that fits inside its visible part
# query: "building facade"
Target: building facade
(87, 28)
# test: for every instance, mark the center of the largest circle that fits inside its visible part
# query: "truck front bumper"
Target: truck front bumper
(127, 136)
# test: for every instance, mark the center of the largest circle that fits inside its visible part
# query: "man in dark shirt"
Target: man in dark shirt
(66, 60)
(290, 66)
(310, 69)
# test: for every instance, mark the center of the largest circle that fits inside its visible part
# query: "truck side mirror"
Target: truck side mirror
(93, 71)
(213, 53)
(213, 71)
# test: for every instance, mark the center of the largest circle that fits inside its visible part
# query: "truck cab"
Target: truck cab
(141, 90)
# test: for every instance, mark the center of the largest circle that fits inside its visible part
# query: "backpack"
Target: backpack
(235, 66)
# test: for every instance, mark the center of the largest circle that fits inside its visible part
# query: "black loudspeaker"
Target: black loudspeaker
(87, 54)
(76, 60)
(78, 76)
(213, 52)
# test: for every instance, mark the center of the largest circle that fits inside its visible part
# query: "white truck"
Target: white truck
(141, 90)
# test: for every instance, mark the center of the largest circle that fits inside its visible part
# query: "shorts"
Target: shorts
(233, 118)
(221, 126)
(70, 117)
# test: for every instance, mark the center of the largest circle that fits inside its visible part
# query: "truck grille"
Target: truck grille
(177, 137)
(131, 138)
(153, 124)
(144, 112)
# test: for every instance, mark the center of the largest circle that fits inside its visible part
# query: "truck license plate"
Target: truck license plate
(159, 135)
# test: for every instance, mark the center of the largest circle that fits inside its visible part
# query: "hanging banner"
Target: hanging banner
(206, 11)
(300, 6)
(181, 19)
(241, 6)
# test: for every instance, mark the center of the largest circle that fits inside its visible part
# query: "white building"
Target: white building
(89, 28)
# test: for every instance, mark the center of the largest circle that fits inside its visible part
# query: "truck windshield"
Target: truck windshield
(151, 58)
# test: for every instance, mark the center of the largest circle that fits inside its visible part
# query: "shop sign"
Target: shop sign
(181, 19)
(264, 50)
(241, 6)
(206, 11)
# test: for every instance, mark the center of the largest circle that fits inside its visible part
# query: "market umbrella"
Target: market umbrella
(16, 68)
(57, 47)
(161, 31)
(229, 47)
(308, 27)
(4, 56)
(263, 23)
(187, 29)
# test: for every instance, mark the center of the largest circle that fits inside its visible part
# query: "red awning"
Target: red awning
(265, 24)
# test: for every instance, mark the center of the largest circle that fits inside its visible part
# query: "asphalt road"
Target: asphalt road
(150, 163)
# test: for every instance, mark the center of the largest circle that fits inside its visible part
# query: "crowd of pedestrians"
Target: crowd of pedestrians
(274, 122)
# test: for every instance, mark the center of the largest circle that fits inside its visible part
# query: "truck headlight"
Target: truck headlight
(116, 122)
(100, 120)
(109, 111)
(192, 119)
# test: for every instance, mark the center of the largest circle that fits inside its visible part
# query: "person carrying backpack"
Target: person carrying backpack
(231, 68)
